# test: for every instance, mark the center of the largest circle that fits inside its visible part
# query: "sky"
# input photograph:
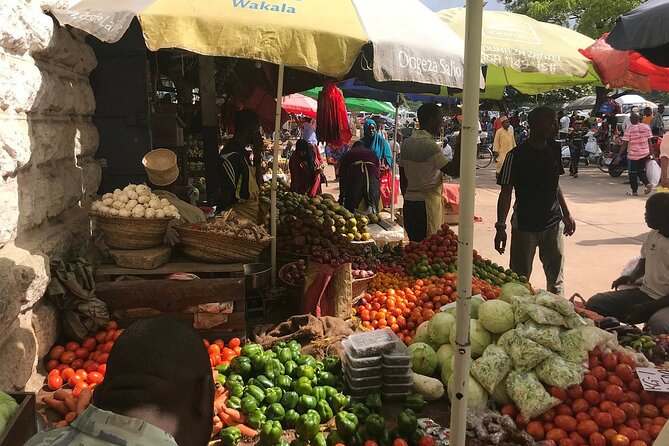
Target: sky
(438, 5)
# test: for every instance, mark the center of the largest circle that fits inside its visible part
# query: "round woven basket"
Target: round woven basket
(214, 247)
(132, 233)
(359, 286)
(288, 284)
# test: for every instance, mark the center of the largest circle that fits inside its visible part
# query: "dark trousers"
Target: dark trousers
(551, 252)
(619, 303)
(415, 220)
(575, 157)
(637, 171)
(358, 192)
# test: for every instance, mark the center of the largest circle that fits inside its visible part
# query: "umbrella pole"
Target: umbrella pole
(393, 168)
(275, 163)
(470, 100)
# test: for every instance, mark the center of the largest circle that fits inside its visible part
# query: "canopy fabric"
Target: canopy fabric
(626, 69)
(644, 29)
(408, 43)
(584, 103)
(531, 56)
(299, 104)
(369, 105)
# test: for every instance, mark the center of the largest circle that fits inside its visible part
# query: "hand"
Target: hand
(569, 225)
(622, 280)
(500, 240)
(616, 160)
(639, 314)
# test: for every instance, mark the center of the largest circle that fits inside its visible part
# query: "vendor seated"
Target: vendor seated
(157, 391)
(163, 173)
(648, 304)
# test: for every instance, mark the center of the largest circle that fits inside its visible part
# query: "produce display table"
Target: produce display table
(149, 293)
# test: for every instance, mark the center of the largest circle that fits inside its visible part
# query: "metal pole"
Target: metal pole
(393, 167)
(469, 134)
(275, 159)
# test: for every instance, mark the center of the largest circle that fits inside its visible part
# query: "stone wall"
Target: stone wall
(47, 175)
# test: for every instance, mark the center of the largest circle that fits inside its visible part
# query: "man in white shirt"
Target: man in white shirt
(564, 125)
(648, 304)
(628, 119)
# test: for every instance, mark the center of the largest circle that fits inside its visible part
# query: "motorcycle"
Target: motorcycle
(616, 170)
(588, 157)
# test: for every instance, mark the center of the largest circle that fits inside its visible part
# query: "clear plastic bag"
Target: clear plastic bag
(557, 372)
(525, 353)
(576, 343)
(555, 302)
(491, 368)
(544, 316)
(546, 335)
(529, 394)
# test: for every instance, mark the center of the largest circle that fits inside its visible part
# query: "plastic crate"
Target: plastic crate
(22, 425)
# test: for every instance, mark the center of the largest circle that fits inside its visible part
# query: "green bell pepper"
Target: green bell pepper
(332, 364)
(308, 426)
(339, 402)
(221, 379)
(299, 442)
(236, 390)
(281, 344)
(230, 436)
(334, 438)
(305, 360)
(318, 366)
(329, 392)
(274, 368)
(373, 402)
(414, 439)
(273, 395)
(283, 442)
(319, 440)
(234, 402)
(258, 363)
(347, 424)
(358, 439)
(241, 365)
(250, 350)
(264, 382)
(233, 378)
(284, 355)
(407, 422)
(275, 411)
(270, 433)
(315, 414)
(249, 404)
(306, 402)
(306, 371)
(324, 410)
(360, 411)
(386, 438)
(290, 419)
(375, 424)
(270, 354)
(256, 419)
(276, 349)
(256, 392)
(319, 393)
(289, 400)
(303, 386)
(291, 368)
(284, 381)
(326, 379)
(295, 347)
(223, 368)
(415, 402)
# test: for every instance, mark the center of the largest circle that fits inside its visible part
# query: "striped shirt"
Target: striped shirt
(637, 137)
(422, 161)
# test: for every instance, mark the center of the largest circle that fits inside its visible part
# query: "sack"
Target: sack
(490, 369)
(327, 290)
(557, 372)
(529, 394)
(654, 172)
(385, 185)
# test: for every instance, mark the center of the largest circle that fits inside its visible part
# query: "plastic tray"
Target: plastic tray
(398, 379)
(397, 388)
(395, 396)
(372, 343)
(394, 370)
(364, 372)
(364, 382)
(361, 391)
(357, 362)
(399, 355)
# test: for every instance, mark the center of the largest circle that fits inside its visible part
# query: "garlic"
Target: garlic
(117, 192)
(142, 190)
(123, 197)
(96, 205)
(138, 211)
(138, 215)
(174, 209)
(104, 210)
(160, 213)
(113, 211)
(130, 205)
(164, 202)
(132, 195)
(139, 207)
(107, 195)
(150, 213)
(124, 212)
(155, 204)
(108, 202)
(169, 213)
(129, 187)
(118, 205)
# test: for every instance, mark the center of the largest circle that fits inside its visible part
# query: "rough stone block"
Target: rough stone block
(18, 355)
(20, 84)
(45, 323)
(141, 258)
(86, 139)
(51, 140)
(9, 203)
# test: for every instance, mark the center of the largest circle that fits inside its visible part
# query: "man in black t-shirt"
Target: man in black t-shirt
(576, 143)
(533, 170)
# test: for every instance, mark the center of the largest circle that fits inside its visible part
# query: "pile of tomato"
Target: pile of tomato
(385, 280)
(81, 365)
(219, 353)
(609, 408)
(442, 245)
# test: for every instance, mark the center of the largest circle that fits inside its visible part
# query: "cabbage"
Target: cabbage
(512, 289)
(476, 395)
(479, 337)
(423, 358)
(8, 406)
(476, 303)
(496, 316)
(447, 369)
(439, 328)
(444, 354)
(421, 333)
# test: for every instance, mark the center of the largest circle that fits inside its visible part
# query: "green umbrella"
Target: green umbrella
(359, 104)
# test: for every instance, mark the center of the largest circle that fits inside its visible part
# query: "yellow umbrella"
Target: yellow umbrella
(529, 55)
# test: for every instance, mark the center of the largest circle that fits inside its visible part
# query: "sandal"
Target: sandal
(632, 194)
(649, 188)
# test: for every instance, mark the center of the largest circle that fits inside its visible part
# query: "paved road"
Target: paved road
(610, 228)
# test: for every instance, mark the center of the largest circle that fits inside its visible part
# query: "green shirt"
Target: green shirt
(97, 427)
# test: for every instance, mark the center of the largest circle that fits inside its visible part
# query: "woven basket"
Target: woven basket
(288, 284)
(359, 286)
(132, 233)
(214, 247)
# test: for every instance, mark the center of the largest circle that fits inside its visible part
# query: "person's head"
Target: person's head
(302, 148)
(543, 123)
(660, 109)
(247, 124)
(505, 122)
(657, 212)
(159, 371)
(370, 127)
(358, 145)
(430, 117)
(307, 119)
(647, 111)
(635, 118)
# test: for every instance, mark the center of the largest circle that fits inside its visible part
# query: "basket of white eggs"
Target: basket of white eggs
(133, 218)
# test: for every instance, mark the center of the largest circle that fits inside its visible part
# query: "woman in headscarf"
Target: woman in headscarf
(374, 141)
(359, 179)
(305, 176)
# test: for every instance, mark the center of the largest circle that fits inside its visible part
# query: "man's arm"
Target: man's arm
(636, 274)
(503, 207)
(403, 181)
(567, 219)
(452, 168)
(664, 175)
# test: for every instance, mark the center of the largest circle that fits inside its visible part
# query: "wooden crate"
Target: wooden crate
(22, 426)
(107, 272)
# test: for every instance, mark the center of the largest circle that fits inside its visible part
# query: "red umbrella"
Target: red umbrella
(626, 69)
(298, 104)
(264, 104)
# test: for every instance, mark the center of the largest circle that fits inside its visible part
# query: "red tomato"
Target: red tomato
(56, 352)
(77, 364)
(95, 378)
(590, 383)
(592, 397)
(92, 367)
(609, 361)
(117, 333)
(370, 443)
(102, 369)
(629, 410)
(599, 372)
(82, 373)
(71, 346)
(426, 440)
(89, 344)
(639, 443)
(567, 442)
(563, 409)
(577, 439)
(620, 440)
(55, 382)
(108, 346)
(78, 388)
(649, 411)
(587, 428)
(625, 372)
(559, 393)
(112, 325)
(67, 357)
(566, 422)
(110, 335)
(102, 358)
(536, 430)
(400, 442)
(52, 364)
(614, 393)
(580, 405)
(597, 439)
(81, 353)
(74, 380)
(510, 410)
(618, 415)
(630, 433)
(604, 420)
(556, 434)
